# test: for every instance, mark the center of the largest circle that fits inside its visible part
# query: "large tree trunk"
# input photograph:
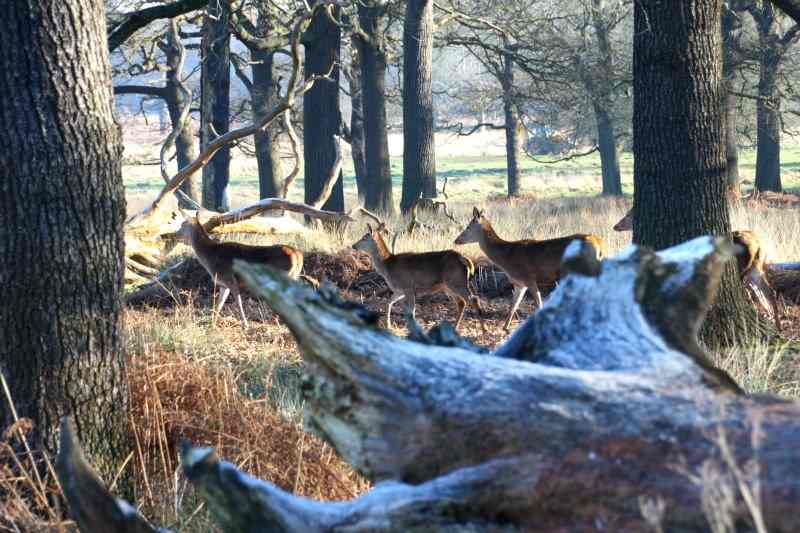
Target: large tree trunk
(322, 118)
(768, 154)
(215, 104)
(602, 102)
(176, 100)
(600, 413)
(679, 157)
(357, 141)
(61, 213)
(264, 98)
(419, 157)
(373, 84)
(513, 124)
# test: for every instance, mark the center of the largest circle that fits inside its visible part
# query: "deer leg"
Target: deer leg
(389, 310)
(238, 296)
(223, 297)
(411, 303)
(537, 296)
(519, 293)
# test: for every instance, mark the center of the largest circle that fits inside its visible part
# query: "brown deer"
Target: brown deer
(217, 258)
(528, 263)
(750, 260)
(408, 274)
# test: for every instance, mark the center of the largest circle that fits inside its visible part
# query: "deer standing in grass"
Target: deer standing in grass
(217, 258)
(528, 263)
(410, 273)
(750, 260)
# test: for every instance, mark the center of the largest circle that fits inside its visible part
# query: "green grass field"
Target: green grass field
(474, 178)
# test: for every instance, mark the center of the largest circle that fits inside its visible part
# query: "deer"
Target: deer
(528, 263)
(409, 274)
(217, 258)
(750, 262)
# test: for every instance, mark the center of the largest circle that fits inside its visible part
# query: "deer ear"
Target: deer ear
(369, 227)
(476, 213)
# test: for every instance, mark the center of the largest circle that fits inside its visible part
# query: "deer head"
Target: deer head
(475, 228)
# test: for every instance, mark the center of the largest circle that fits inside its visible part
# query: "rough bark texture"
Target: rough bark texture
(264, 98)
(215, 104)
(419, 158)
(768, 105)
(373, 83)
(513, 125)
(321, 115)
(731, 36)
(601, 88)
(599, 411)
(679, 161)
(176, 99)
(357, 142)
(61, 213)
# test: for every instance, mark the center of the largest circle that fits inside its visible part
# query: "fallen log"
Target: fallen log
(601, 412)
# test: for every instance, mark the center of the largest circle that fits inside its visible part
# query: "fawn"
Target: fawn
(528, 263)
(217, 258)
(406, 274)
(750, 260)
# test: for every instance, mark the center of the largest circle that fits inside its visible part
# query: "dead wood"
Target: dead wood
(599, 410)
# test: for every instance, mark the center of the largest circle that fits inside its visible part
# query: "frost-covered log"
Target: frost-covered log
(600, 413)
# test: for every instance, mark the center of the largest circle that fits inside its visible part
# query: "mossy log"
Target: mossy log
(600, 413)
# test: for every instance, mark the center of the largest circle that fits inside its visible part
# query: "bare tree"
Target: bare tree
(215, 103)
(419, 157)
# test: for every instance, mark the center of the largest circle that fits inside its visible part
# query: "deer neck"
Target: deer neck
(379, 253)
(489, 242)
(202, 243)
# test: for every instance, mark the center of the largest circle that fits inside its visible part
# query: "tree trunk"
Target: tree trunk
(215, 104)
(609, 160)
(768, 154)
(419, 157)
(264, 98)
(606, 138)
(62, 206)
(373, 84)
(679, 160)
(357, 142)
(321, 116)
(185, 148)
(513, 125)
(731, 34)
(600, 413)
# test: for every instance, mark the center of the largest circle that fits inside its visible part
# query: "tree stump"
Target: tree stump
(599, 413)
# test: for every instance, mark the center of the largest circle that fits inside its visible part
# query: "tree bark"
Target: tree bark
(419, 155)
(513, 124)
(768, 117)
(373, 83)
(357, 142)
(264, 98)
(679, 160)
(185, 148)
(61, 213)
(599, 413)
(731, 35)
(322, 118)
(215, 104)
(602, 103)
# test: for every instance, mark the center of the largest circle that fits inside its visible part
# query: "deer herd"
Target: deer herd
(529, 265)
